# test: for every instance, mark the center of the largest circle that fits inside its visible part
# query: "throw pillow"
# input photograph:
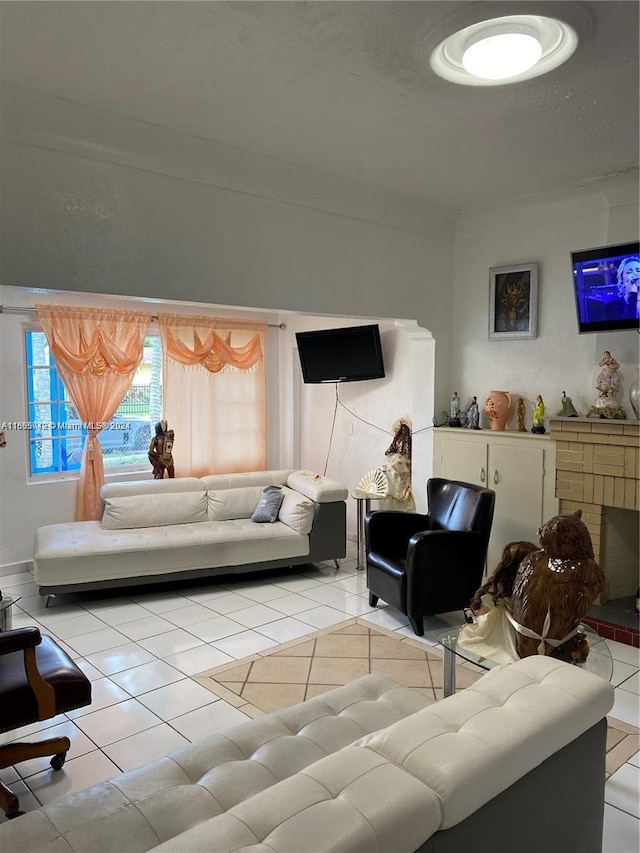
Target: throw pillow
(268, 505)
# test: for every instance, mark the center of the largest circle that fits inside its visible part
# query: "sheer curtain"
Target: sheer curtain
(214, 394)
(96, 352)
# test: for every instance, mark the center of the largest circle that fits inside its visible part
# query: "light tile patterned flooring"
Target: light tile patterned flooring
(304, 668)
(142, 647)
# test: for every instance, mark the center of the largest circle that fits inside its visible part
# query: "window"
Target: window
(56, 433)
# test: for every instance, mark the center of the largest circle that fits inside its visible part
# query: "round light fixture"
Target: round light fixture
(504, 50)
(501, 52)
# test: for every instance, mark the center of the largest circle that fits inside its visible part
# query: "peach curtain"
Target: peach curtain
(96, 352)
(214, 396)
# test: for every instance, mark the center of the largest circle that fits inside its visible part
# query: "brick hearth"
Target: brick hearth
(597, 470)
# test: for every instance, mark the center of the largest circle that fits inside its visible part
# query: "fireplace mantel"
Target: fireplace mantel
(597, 468)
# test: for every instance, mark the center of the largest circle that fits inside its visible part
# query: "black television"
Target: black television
(351, 354)
(605, 284)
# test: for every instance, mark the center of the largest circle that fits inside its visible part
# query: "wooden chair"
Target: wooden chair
(38, 680)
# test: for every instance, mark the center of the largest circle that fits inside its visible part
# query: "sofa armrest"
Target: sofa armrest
(473, 745)
(320, 489)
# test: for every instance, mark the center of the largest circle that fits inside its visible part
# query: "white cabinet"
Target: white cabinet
(519, 467)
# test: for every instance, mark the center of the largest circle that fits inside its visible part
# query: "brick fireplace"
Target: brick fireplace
(597, 471)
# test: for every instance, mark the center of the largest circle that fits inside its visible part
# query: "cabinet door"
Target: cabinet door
(464, 460)
(516, 476)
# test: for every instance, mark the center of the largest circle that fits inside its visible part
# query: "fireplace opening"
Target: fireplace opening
(621, 558)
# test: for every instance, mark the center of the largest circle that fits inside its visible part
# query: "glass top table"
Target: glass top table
(599, 660)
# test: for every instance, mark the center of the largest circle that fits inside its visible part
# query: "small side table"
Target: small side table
(363, 500)
(6, 603)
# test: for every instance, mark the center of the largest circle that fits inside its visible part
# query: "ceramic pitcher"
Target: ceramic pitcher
(498, 408)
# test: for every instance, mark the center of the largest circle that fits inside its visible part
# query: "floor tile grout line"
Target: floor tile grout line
(617, 808)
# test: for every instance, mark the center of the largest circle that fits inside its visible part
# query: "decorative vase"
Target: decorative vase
(498, 409)
(634, 396)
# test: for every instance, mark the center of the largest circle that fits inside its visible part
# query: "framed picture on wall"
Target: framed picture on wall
(513, 302)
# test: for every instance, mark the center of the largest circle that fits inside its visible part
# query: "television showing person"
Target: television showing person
(628, 276)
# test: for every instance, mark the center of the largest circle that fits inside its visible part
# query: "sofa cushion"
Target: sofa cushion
(277, 477)
(229, 504)
(148, 487)
(297, 511)
(268, 506)
(73, 552)
(154, 510)
(352, 800)
(320, 489)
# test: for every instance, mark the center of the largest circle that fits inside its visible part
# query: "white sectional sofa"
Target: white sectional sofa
(513, 764)
(188, 527)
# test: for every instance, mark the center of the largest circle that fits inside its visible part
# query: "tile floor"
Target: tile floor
(141, 647)
(309, 666)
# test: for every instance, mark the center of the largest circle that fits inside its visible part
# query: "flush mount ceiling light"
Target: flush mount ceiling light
(504, 50)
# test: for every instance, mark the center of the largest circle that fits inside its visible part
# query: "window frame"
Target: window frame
(56, 472)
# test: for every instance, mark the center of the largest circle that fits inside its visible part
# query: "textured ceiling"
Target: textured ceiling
(344, 87)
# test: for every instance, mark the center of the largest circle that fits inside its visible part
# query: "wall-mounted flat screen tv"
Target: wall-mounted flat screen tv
(605, 282)
(341, 355)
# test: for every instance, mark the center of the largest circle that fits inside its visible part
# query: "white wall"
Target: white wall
(95, 202)
(365, 411)
(544, 229)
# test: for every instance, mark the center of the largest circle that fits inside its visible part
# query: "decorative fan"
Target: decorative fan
(374, 483)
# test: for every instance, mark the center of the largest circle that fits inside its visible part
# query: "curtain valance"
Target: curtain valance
(94, 340)
(206, 342)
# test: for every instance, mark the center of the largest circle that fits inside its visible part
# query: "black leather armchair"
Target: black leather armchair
(427, 564)
(38, 680)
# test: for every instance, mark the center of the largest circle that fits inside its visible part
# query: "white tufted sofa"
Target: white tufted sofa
(513, 764)
(163, 530)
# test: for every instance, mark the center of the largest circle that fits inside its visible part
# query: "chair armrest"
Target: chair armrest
(389, 531)
(19, 639)
(436, 545)
(25, 640)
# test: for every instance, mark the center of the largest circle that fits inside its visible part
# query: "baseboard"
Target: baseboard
(15, 568)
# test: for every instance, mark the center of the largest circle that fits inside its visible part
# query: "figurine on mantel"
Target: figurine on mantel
(454, 411)
(568, 409)
(607, 384)
(473, 414)
(521, 414)
(538, 416)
